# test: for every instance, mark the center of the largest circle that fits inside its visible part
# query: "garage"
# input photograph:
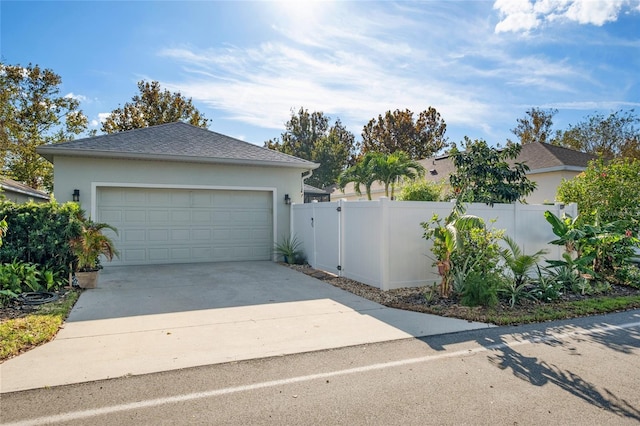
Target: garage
(181, 194)
(162, 225)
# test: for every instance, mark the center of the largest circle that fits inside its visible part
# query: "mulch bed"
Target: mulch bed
(420, 299)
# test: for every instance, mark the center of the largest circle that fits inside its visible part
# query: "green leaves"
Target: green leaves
(309, 136)
(388, 169)
(483, 174)
(34, 114)
(606, 191)
(153, 106)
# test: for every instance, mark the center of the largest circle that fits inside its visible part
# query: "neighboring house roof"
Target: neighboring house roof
(543, 157)
(10, 185)
(308, 189)
(540, 157)
(174, 142)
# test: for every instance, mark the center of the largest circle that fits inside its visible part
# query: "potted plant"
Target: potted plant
(290, 250)
(87, 249)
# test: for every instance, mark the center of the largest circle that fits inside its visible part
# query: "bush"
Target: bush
(480, 290)
(421, 190)
(40, 233)
(18, 277)
(610, 190)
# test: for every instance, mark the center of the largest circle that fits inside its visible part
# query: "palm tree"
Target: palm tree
(360, 174)
(519, 263)
(389, 169)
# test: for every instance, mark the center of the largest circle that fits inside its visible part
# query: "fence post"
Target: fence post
(341, 233)
(384, 243)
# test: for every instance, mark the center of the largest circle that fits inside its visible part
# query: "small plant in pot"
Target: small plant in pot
(87, 249)
(290, 250)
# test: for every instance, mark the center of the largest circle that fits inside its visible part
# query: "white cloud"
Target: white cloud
(526, 15)
(354, 72)
(72, 95)
(357, 71)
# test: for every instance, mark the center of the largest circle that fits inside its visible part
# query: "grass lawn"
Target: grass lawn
(35, 328)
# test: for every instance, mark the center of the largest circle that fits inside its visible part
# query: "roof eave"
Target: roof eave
(563, 168)
(48, 152)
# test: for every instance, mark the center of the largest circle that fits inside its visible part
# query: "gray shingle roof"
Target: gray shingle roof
(544, 156)
(538, 156)
(174, 141)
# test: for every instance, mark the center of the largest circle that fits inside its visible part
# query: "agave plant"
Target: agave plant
(290, 249)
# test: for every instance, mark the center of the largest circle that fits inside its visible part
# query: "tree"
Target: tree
(536, 126)
(609, 191)
(360, 173)
(153, 106)
(389, 169)
(310, 137)
(397, 131)
(32, 114)
(613, 136)
(483, 174)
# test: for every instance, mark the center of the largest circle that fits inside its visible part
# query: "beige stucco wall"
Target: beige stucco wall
(86, 174)
(547, 185)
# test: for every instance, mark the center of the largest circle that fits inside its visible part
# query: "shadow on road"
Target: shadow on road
(500, 343)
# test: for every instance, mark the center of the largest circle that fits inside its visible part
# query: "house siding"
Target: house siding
(87, 174)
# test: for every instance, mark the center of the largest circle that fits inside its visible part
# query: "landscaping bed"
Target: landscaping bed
(23, 326)
(426, 300)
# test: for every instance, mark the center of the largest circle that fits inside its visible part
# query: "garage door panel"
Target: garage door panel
(156, 235)
(135, 216)
(134, 235)
(176, 225)
(133, 256)
(158, 216)
(202, 234)
(201, 216)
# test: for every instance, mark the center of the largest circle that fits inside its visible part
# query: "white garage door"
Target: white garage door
(182, 226)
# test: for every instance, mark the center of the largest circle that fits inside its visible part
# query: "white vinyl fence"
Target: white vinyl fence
(380, 242)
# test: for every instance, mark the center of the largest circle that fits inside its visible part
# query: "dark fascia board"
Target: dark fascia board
(50, 151)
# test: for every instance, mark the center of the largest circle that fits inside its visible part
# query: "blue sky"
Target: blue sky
(246, 65)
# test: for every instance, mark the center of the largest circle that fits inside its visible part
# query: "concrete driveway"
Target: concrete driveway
(147, 319)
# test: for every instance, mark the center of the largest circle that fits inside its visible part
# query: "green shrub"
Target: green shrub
(421, 190)
(40, 233)
(610, 190)
(18, 277)
(629, 274)
(480, 290)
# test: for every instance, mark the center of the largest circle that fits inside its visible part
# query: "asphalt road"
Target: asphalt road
(582, 372)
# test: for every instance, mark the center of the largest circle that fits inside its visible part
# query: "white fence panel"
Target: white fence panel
(301, 220)
(380, 242)
(326, 231)
(362, 242)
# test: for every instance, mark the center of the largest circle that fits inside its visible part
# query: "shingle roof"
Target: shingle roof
(174, 141)
(540, 157)
(308, 189)
(13, 186)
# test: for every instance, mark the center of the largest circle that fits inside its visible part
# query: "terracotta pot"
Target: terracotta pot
(87, 279)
